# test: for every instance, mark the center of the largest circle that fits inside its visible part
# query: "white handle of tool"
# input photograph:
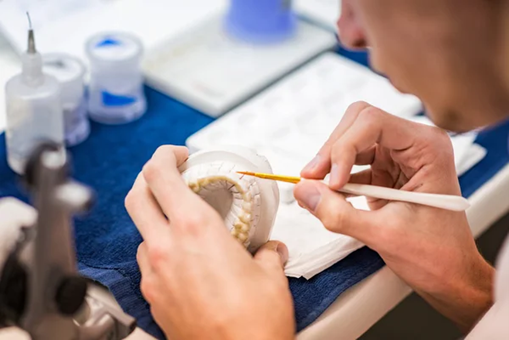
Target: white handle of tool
(448, 202)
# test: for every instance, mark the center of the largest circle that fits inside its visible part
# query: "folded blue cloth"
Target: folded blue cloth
(107, 240)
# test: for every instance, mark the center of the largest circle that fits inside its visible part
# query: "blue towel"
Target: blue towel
(106, 240)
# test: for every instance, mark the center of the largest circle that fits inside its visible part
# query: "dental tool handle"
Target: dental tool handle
(448, 202)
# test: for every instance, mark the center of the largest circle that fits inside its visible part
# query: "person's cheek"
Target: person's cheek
(376, 60)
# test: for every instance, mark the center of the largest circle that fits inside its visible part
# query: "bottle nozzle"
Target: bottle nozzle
(32, 61)
(31, 40)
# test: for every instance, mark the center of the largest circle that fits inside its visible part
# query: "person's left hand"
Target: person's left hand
(199, 281)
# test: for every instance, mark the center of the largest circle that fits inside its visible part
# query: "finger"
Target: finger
(361, 177)
(366, 157)
(372, 126)
(145, 212)
(143, 261)
(148, 279)
(181, 153)
(376, 203)
(320, 165)
(335, 212)
(272, 256)
(364, 176)
(165, 182)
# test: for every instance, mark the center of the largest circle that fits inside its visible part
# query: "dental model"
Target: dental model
(248, 205)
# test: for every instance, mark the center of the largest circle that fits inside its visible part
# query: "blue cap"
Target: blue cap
(261, 21)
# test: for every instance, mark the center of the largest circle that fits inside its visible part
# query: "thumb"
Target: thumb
(272, 256)
(335, 212)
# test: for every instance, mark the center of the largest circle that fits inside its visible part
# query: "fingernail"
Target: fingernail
(310, 197)
(283, 253)
(311, 165)
(334, 175)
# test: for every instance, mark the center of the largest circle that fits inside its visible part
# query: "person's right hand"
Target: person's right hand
(431, 249)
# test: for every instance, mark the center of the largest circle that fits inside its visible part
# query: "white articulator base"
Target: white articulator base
(247, 204)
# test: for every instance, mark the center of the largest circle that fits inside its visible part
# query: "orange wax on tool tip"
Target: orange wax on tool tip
(288, 179)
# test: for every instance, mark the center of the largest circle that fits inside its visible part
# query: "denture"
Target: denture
(248, 205)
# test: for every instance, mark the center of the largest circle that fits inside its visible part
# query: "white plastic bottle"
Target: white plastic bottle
(34, 110)
(70, 71)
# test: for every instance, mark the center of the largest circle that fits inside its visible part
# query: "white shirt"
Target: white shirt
(495, 323)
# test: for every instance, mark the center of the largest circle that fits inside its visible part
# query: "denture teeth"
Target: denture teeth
(245, 217)
(239, 225)
(242, 237)
(242, 217)
(248, 197)
(245, 228)
(204, 181)
(194, 186)
(247, 206)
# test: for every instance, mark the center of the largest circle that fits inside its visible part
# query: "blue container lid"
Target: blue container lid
(114, 46)
(261, 21)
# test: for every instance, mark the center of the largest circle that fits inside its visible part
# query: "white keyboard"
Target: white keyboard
(290, 121)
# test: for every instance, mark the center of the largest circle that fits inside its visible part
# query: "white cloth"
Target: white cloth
(495, 323)
(312, 248)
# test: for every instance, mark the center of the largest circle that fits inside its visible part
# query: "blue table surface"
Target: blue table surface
(106, 239)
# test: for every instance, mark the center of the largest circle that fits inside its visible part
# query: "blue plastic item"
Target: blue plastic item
(261, 21)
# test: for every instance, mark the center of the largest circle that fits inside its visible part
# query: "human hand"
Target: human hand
(431, 249)
(199, 281)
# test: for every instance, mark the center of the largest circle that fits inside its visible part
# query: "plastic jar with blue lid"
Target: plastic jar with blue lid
(116, 93)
